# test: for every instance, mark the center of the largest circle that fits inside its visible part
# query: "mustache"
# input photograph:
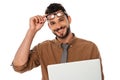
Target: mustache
(62, 27)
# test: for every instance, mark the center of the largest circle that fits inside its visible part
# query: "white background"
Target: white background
(95, 20)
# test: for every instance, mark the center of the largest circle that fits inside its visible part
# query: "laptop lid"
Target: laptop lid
(78, 70)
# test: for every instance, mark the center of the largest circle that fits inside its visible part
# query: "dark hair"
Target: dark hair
(53, 7)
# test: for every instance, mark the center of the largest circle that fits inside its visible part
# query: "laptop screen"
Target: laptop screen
(78, 70)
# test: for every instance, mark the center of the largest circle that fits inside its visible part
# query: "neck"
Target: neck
(67, 39)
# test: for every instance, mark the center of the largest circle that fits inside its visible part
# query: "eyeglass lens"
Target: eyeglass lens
(52, 16)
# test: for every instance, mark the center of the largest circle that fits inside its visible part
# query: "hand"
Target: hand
(37, 22)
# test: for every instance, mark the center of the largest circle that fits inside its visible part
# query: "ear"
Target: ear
(69, 19)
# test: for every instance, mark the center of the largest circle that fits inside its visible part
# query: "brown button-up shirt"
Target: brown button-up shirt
(50, 51)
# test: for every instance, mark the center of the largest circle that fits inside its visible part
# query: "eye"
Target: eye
(52, 23)
(61, 19)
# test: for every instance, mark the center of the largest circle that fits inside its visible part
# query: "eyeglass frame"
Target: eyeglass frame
(55, 14)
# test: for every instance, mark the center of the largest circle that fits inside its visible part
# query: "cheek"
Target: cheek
(50, 27)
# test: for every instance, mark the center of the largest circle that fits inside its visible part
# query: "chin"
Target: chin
(63, 36)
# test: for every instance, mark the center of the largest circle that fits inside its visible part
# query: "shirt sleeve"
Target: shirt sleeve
(96, 54)
(33, 61)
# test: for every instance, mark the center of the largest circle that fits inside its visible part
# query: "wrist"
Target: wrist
(32, 31)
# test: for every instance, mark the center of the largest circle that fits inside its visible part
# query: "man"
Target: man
(50, 51)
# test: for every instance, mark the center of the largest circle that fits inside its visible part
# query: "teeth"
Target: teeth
(60, 31)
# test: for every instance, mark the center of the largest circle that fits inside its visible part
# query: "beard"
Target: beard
(63, 36)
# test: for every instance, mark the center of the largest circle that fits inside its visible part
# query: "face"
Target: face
(59, 24)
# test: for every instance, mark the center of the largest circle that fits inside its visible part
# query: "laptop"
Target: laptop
(78, 70)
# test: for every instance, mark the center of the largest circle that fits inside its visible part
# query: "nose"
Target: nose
(57, 25)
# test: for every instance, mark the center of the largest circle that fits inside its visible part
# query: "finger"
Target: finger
(42, 19)
(45, 15)
(36, 20)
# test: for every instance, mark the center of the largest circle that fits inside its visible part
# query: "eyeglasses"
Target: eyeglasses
(52, 16)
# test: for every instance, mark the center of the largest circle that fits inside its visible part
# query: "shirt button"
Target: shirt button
(70, 45)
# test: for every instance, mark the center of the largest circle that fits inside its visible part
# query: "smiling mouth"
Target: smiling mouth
(57, 30)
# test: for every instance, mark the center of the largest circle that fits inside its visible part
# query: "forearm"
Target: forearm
(22, 53)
